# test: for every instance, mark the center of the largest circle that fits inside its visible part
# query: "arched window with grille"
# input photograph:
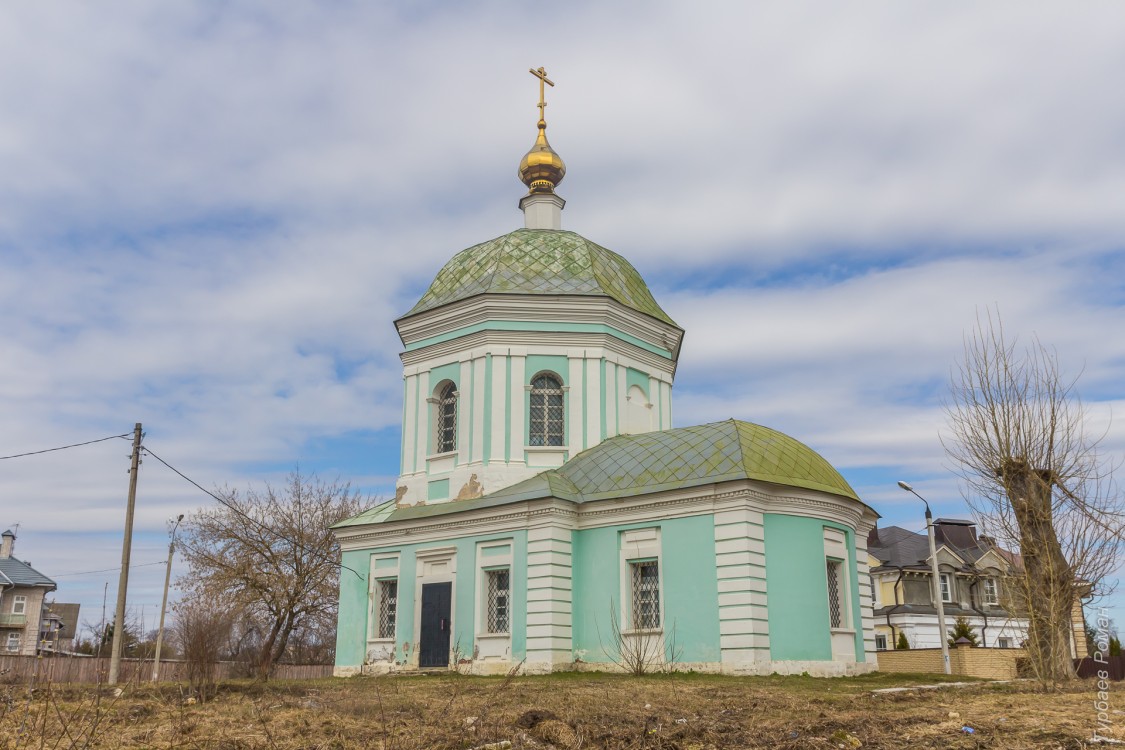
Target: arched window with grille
(546, 411)
(446, 408)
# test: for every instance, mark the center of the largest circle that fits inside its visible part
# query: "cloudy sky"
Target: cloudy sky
(210, 214)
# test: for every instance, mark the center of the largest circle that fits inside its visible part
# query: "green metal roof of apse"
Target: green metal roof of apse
(629, 465)
(540, 261)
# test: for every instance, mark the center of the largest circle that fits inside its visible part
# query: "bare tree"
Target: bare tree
(271, 553)
(1019, 436)
(201, 629)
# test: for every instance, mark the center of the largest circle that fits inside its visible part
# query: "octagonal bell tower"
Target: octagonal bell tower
(528, 349)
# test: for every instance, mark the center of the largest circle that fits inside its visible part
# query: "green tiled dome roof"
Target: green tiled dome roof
(629, 465)
(688, 456)
(540, 261)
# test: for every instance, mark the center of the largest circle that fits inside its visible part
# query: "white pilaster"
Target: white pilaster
(464, 399)
(665, 405)
(575, 396)
(740, 564)
(610, 399)
(501, 391)
(622, 394)
(478, 408)
(409, 425)
(549, 598)
(866, 605)
(593, 402)
(517, 397)
(421, 416)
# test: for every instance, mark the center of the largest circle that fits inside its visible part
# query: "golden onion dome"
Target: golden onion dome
(541, 169)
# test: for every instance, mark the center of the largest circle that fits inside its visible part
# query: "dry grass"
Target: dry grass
(685, 712)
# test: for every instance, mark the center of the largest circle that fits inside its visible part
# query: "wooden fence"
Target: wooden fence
(79, 669)
(1113, 665)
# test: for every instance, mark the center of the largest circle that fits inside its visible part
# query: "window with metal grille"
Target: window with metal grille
(388, 608)
(646, 595)
(546, 411)
(498, 584)
(447, 419)
(835, 598)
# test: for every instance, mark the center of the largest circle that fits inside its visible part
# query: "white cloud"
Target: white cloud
(212, 214)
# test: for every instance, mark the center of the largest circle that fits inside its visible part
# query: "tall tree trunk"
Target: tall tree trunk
(265, 658)
(283, 640)
(1050, 581)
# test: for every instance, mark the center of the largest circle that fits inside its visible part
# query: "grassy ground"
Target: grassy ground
(569, 711)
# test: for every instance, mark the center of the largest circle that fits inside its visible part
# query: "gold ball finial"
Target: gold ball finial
(541, 169)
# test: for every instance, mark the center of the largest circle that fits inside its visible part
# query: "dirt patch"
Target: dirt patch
(679, 712)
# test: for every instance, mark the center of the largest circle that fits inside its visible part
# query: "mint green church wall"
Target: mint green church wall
(351, 621)
(351, 628)
(690, 589)
(797, 588)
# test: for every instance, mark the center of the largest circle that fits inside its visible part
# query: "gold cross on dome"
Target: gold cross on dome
(541, 74)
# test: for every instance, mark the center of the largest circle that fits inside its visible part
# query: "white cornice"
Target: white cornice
(708, 499)
(539, 308)
(537, 342)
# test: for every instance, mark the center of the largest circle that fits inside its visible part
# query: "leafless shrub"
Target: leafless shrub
(202, 630)
(639, 652)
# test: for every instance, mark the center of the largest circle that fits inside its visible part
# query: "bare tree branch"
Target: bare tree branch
(1036, 482)
(271, 556)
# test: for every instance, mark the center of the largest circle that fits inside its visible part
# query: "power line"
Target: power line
(247, 516)
(105, 570)
(64, 447)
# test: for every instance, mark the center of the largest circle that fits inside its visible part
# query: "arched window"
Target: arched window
(546, 411)
(447, 419)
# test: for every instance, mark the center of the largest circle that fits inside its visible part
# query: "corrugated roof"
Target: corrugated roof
(629, 465)
(540, 261)
(22, 574)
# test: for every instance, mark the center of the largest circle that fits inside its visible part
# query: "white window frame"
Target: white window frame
(384, 567)
(836, 552)
(1003, 642)
(945, 586)
(990, 592)
(840, 568)
(640, 546)
(19, 604)
(438, 400)
(382, 585)
(541, 428)
(881, 637)
(637, 598)
(13, 643)
(491, 608)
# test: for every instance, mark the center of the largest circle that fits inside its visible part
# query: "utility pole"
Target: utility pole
(126, 548)
(164, 601)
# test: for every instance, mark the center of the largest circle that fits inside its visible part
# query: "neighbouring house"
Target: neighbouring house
(548, 516)
(22, 593)
(59, 626)
(976, 582)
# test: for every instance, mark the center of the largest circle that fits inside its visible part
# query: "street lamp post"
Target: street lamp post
(942, 637)
(164, 603)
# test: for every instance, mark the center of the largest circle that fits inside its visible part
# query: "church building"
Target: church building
(549, 517)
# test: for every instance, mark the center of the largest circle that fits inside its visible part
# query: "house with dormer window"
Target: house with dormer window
(976, 581)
